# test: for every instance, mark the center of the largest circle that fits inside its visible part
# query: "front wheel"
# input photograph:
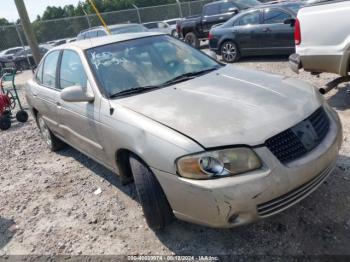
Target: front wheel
(22, 116)
(229, 52)
(50, 139)
(154, 203)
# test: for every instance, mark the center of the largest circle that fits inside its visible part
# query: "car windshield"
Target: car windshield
(154, 61)
(128, 29)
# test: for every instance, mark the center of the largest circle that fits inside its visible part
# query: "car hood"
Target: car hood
(230, 106)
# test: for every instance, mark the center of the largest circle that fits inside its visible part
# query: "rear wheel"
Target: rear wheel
(154, 203)
(192, 39)
(5, 122)
(229, 52)
(50, 139)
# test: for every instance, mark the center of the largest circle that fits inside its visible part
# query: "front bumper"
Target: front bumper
(233, 201)
(295, 63)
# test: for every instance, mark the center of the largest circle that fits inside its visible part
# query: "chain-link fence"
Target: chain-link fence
(70, 27)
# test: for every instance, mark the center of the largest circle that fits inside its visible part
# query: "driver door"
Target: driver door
(79, 121)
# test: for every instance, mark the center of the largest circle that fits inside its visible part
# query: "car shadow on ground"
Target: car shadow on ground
(340, 100)
(99, 170)
(7, 231)
(319, 224)
(272, 58)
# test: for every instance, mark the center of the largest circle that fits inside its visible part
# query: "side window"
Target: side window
(39, 74)
(275, 16)
(226, 7)
(101, 33)
(249, 19)
(72, 71)
(49, 69)
(212, 9)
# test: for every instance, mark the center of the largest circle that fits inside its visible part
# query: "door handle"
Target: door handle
(58, 103)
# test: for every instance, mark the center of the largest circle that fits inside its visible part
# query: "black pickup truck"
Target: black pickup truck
(195, 28)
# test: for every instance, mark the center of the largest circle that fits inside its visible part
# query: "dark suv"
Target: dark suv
(196, 28)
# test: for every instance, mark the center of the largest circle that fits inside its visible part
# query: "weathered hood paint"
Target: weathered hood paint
(230, 106)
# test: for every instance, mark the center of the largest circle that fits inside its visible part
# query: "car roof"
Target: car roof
(218, 2)
(105, 40)
(109, 26)
(282, 4)
(278, 4)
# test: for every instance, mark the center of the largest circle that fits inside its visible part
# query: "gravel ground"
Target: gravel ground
(48, 205)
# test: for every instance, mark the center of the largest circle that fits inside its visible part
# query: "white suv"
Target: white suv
(322, 38)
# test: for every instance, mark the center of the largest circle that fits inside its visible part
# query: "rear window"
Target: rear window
(173, 22)
(128, 29)
(275, 16)
(294, 7)
(151, 25)
(212, 9)
(225, 7)
(252, 18)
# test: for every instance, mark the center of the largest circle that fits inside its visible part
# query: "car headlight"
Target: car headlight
(220, 163)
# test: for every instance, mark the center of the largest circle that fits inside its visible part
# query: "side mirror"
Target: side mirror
(233, 10)
(76, 94)
(212, 54)
(289, 21)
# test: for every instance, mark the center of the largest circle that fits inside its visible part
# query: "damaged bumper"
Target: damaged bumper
(233, 201)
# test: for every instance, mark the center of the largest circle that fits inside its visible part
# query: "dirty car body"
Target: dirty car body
(226, 145)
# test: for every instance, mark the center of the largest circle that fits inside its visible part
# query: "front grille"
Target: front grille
(287, 146)
(282, 202)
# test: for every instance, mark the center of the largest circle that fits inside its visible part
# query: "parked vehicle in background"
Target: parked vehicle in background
(72, 40)
(323, 52)
(21, 58)
(172, 24)
(262, 30)
(159, 26)
(208, 143)
(60, 42)
(115, 30)
(8, 53)
(193, 29)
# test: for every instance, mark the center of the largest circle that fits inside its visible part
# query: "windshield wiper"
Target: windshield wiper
(134, 90)
(188, 76)
(180, 78)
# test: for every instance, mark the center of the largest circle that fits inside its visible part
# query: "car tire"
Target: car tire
(22, 116)
(229, 52)
(192, 39)
(154, 203)
(53, 142)
(5, 122)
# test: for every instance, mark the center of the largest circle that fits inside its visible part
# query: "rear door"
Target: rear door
(45, 91)
(248, 33)
(279, 37)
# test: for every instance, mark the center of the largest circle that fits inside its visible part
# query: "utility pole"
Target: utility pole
(28, 30)
(138, 13)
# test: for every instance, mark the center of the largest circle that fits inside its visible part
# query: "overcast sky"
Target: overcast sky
(34, 7)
